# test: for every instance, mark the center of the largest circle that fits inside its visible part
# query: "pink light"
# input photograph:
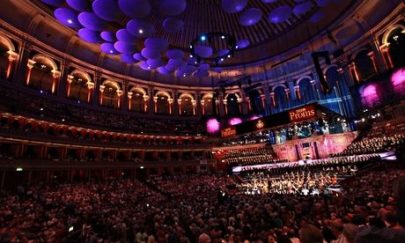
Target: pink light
(213, 125)
(234, 121)
(398, 77)
(370, 95)
(254, 118)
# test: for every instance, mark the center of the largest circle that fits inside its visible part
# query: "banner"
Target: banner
(302, 114)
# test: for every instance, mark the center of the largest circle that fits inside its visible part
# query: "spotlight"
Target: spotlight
(70, 21)
(111, 51)
(140, 31)
(203, 38)
(191, 55)
(221, 59)
(191, 46)
(229, 55)
(236, 47)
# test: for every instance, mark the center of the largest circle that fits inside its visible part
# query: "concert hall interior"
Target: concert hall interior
(182, 121)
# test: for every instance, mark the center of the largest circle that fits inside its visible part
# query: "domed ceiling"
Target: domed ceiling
(193, 37)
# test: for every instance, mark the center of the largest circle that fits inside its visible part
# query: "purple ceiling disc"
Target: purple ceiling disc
(78, 5)
(280, 14)
(323, 3)
(155, 63)
(89, 35)
(156, 43)
(223, 52)
(67, 17)
(135, 8)
(124, 47)
(318, 16)
(107, 9)
(175, 54)
(140, 28)
(150, 53)
(138, 56)
(172, 7)
(242, 44)
(124, 35)
(269, 1)
(302, 8)
(55, 3)
(144, 66)
(201, 73)
(172, 24)
(250, 17)
(176, 63)
(108, 48)
(127, 58)
(91, 21)
(203, 51)
(204, 66)
(233, 6)
(108, 36)
(164, 70)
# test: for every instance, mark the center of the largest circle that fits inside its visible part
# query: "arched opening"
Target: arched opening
(137, 100)
(256, 103)
(306, 92)
(162, 104)
(364, 65)
(3, 60)
(110, 96)
(397, 47)
(186, 107)
(79, 89)
(208, 105)
(42, 73)
(280, 98)
(232, 105)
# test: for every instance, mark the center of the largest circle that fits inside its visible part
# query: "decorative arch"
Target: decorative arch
(208, 106)
(82, 73)
(207, 96)
(186, 95)
(110, 99)
(307, 77)
(46, 60)
(139, 90)
(138, 102)
(114, 84)
(235, 93)
(326, 69)
(7, 42)
(163, 93)
(278, 85)
(388, 32)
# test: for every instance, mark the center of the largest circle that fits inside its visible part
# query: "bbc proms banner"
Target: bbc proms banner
(303, 113)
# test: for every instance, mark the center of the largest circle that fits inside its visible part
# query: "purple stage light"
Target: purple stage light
(370, 95)
(213, 125)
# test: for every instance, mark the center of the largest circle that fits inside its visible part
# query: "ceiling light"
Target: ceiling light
(191, 55)
(229, 55)
(223, 37)
(203, 38)
(111, 51)
(70, 21)
(140, 31)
